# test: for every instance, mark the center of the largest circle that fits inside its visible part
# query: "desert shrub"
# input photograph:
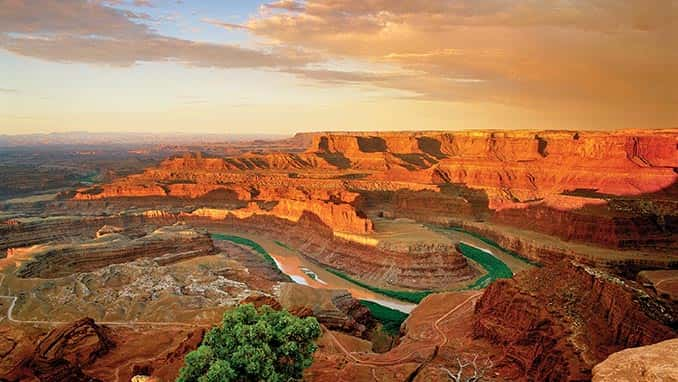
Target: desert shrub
(253, 345)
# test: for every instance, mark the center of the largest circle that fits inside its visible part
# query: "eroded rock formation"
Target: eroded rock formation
(555, 323)
(166, 245)
(336, 309)
(65, 351)
(608, 189)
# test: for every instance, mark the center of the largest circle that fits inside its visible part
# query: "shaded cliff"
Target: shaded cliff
(555, 323)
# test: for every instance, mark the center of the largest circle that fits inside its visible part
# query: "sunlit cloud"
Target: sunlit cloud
(91, 32)
(551, 54)
(559, 58)
(224, 24)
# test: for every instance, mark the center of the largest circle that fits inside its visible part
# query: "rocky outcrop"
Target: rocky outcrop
(555, 323)
(395, 268)
(612, 189)
(167, 245)
(24, 232)
(66, 350)
(84, 351)
(652, 363)
(336, 309)
(261, 300)
(341, 217)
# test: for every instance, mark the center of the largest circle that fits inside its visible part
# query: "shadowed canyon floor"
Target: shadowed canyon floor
(519, 255)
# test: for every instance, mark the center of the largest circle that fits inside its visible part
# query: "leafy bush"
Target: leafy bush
(253, 345)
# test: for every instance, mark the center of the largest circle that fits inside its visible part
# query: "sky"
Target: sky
(286, 66)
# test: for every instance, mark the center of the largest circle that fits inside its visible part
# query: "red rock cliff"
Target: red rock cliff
(556, 323)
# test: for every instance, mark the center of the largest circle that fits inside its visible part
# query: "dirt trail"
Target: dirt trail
(436, 325)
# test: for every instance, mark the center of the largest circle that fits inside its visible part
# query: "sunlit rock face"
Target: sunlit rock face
(652, 363)
(388, 211)
(613, 189)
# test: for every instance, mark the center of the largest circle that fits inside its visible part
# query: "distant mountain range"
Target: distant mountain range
(109, 138)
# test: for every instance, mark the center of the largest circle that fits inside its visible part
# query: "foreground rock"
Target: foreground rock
(556, 323)
(653, 363)
(64, 352)
(336, 309)
(84, 351)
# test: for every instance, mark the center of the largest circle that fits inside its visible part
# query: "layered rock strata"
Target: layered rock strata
(336, 309)
(24, 232)
(555, 323)
(613, 189)
(168, 244)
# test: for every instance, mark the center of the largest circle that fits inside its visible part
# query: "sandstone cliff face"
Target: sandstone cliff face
(341, 217)
(613, 189)
(556, 323)
(523, 175)
(65, 351)
(336, 309)
(652, 363)
(122, 189)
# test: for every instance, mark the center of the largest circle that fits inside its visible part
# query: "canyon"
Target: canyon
(535, 254)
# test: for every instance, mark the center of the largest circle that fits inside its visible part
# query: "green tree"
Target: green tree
(253, 345)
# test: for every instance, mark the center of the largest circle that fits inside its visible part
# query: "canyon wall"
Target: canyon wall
(24, 232)
(429, 268)
(167, 245)
(610, 189)
(555, 323)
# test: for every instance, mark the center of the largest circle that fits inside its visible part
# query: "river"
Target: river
(305, 272)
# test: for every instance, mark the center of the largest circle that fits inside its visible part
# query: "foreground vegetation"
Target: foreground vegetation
(253, 345)
(391, 319)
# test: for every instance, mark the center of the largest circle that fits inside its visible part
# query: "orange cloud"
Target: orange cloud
(558, 55)
(599, 58)
(90, 31)
(224, 24)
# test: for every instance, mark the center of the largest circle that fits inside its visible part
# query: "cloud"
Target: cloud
(92, 32)
(68, 17)
(342, 76)
(560, 54)
(143, 3)
(224, 24)
(288, 5)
